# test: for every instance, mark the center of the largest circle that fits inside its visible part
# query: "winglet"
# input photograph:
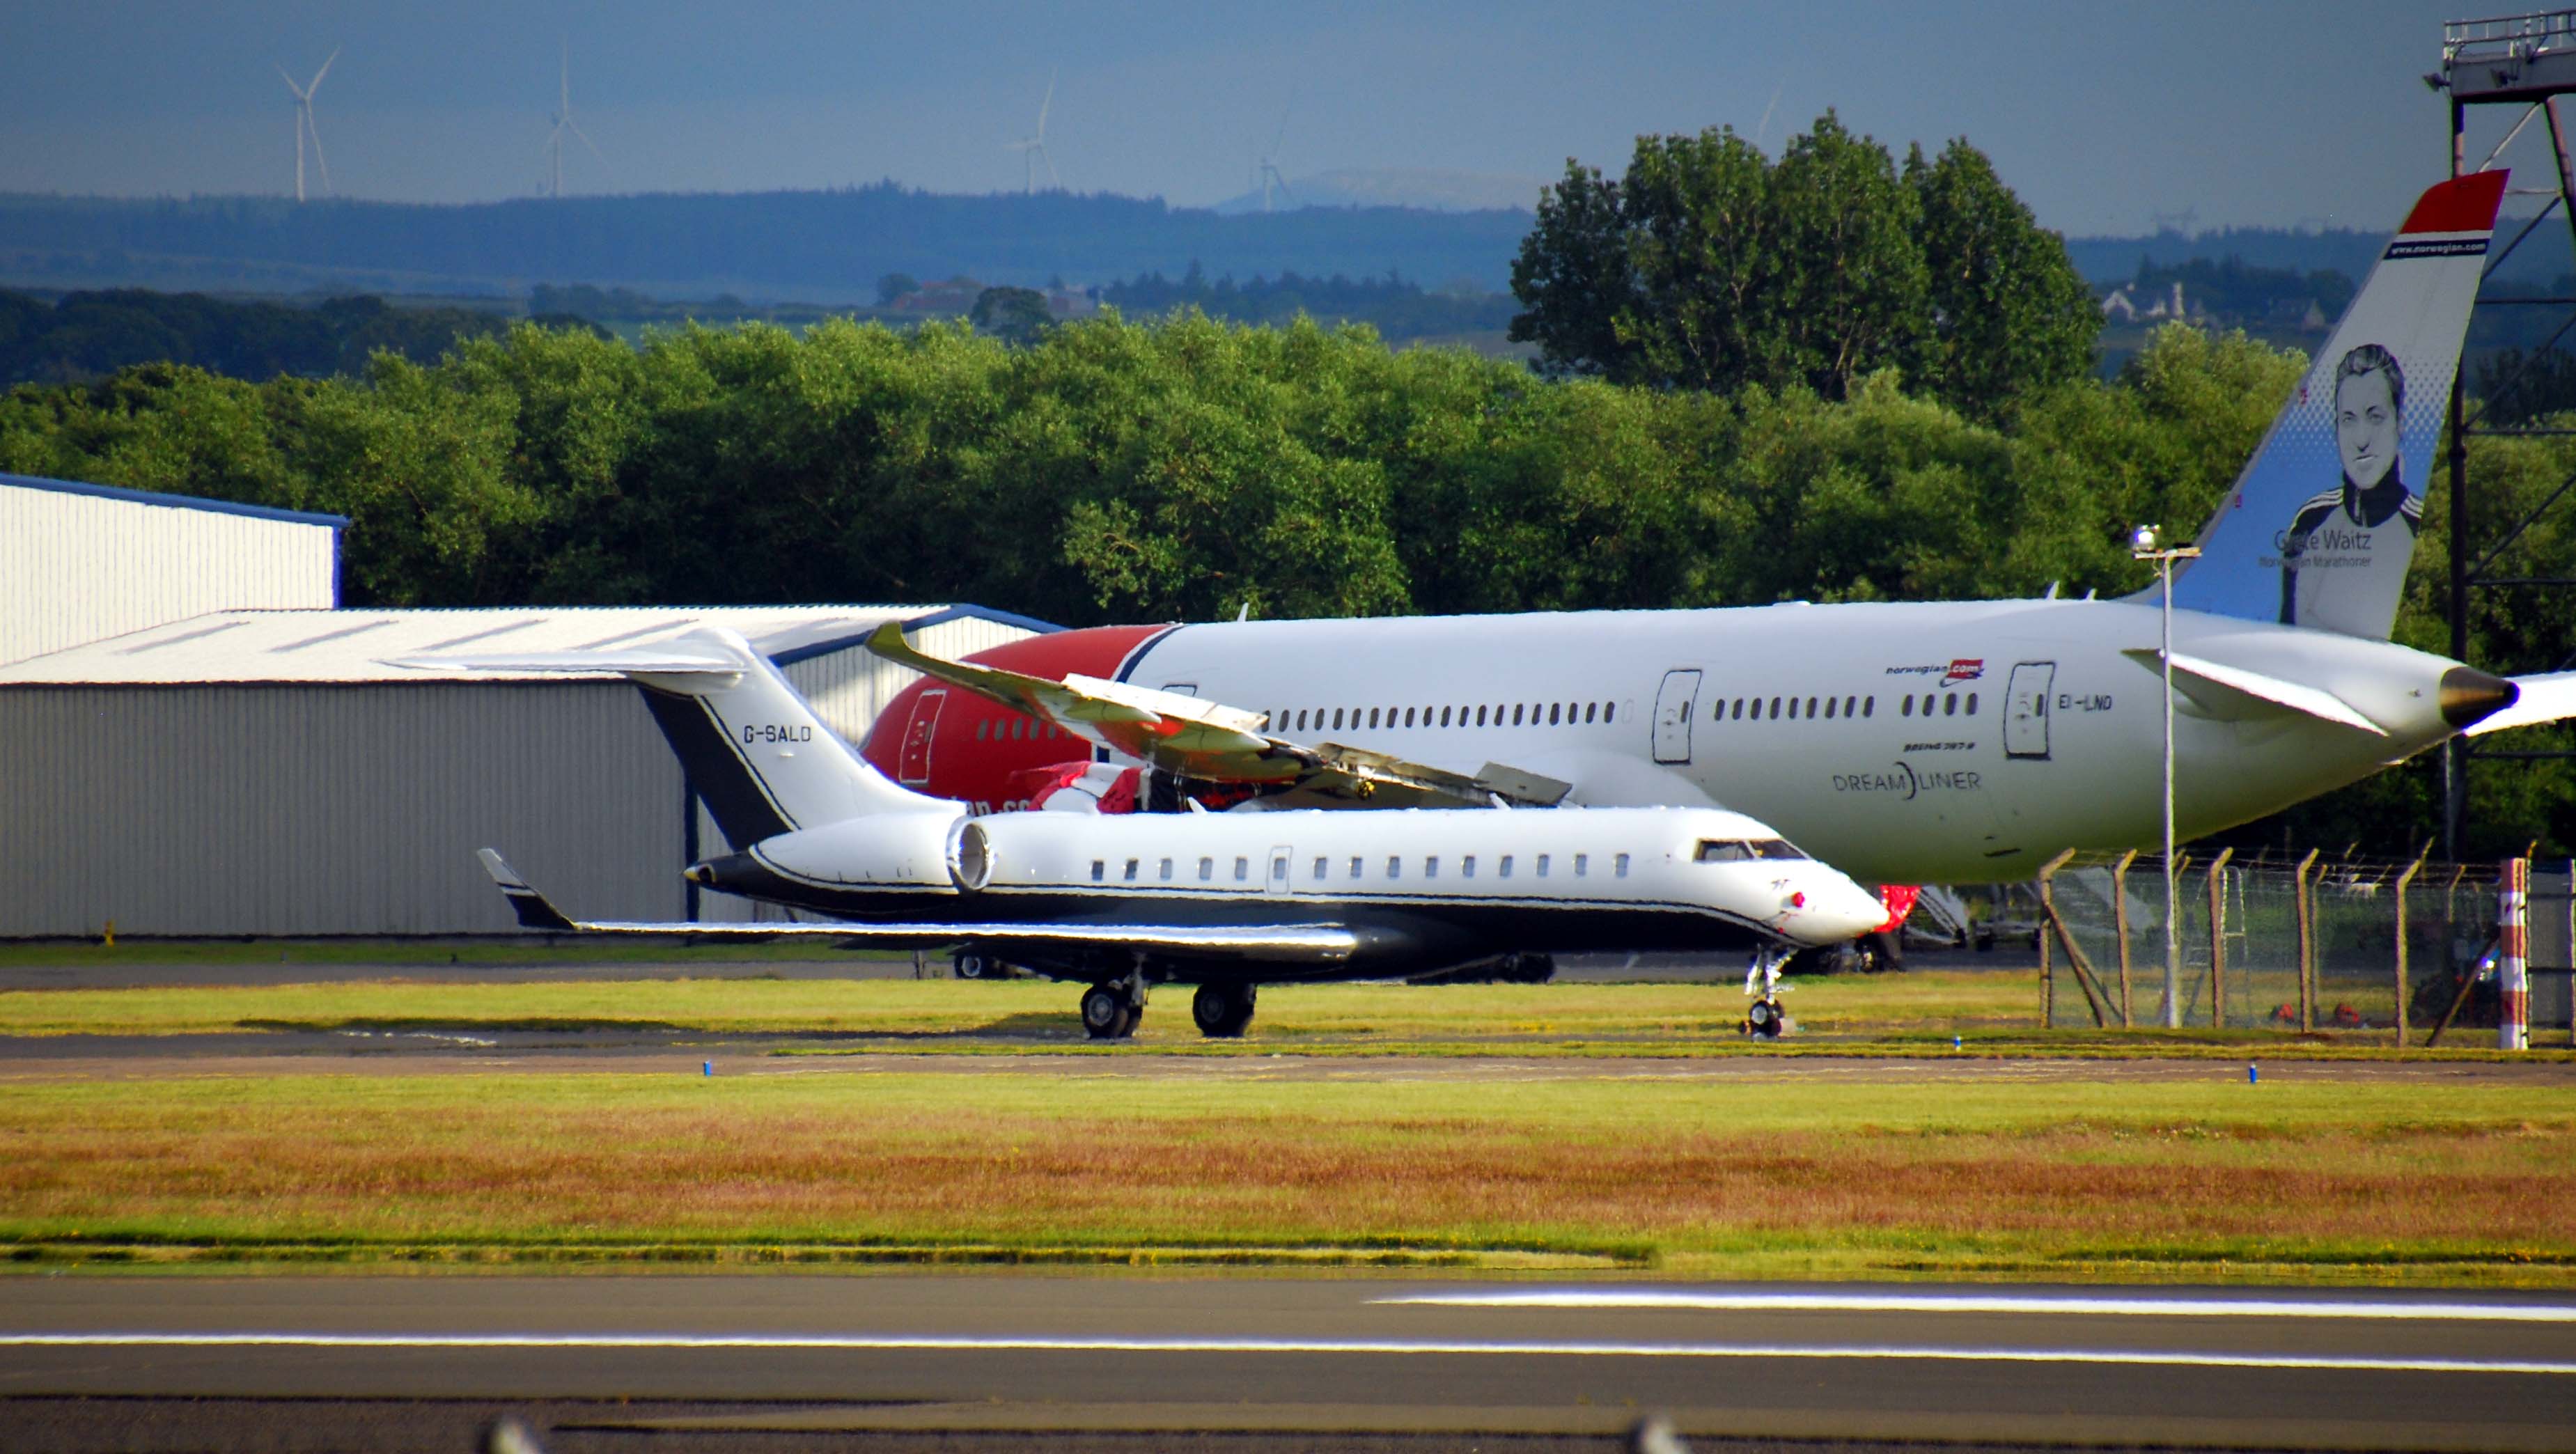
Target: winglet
(531, 907)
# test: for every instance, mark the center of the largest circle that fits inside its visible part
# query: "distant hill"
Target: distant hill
(2110, 261)
(824, 246)
(1420, 187)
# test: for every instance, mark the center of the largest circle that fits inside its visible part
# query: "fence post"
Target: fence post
(2120, 921)
(2307, 944)
(2218, 939)
(2048, 918)
(2403, 880)
(2513, 964)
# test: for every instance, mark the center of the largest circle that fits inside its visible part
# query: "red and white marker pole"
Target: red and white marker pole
(2513, 947)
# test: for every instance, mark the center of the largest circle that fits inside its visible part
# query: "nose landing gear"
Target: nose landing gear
(1764, 1019)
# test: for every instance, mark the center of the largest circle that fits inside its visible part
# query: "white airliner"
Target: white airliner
(1224, 900)
(1905, 743)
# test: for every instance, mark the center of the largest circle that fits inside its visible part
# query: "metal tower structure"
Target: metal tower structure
(2525, 61)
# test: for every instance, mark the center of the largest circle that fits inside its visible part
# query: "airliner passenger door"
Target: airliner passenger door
(2026, 709)
(914, 768)
(1673, 707)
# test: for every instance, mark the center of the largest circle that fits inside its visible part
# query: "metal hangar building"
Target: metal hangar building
(263, 772)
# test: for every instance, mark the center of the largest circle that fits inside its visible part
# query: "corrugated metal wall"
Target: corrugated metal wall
(279, 810)
(77, 568)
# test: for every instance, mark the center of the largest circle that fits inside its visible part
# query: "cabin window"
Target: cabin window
(1099, 870)
(1582, 864)
(1394, 867)
(1775, 709)
(1829, 709)
(1542, 865)
(1811, 707)
(1552, 709)
(1467, 866)
(1431, 866)
(1243, 870)
(1905, 706)
(1355, 866)
(1503, 869)
(1323, 866)
(1793, 708)
(1609, 710)
(1408, 716)
(1297, 723)
(1950, 704)
(1516, 714)
(1480, 716)
(1590, 711)
(1165, 873)
(1972, 704)
(1848, 704)
(1868, 706)
(1619, 865)
(1279, 869)
(983, 730)
(1337, 719)
(1372, 716)
(1207, 870)
(1131, 870)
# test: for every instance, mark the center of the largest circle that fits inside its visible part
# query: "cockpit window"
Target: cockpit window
(1740, 850)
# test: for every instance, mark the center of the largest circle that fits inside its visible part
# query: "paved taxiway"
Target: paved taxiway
(1339, 1356)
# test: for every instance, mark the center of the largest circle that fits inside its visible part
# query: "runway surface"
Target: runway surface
(1337, 1359)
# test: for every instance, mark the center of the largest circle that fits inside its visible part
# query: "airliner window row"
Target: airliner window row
(1516, 714)
(1736, 709)
(1394, 871)
(1020, 728)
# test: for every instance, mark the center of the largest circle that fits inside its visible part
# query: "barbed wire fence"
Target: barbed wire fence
(2402, 948)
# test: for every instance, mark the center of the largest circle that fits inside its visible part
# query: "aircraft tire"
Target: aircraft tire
(969, 964)
(1106, 1015)
(1762, 1021)
(1223, 1011)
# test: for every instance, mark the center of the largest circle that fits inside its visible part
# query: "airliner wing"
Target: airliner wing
(2544, 699)
(1300, 943)
(1196, 738)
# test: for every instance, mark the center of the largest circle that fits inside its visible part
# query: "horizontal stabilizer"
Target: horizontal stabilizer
(2547, 698)
(2232, 694)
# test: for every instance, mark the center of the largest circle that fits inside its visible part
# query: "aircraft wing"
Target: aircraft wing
(1299, 943)
(1196, 738)
(2550, 697)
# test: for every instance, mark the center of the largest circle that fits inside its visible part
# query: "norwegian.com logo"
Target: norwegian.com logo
(1964, 669)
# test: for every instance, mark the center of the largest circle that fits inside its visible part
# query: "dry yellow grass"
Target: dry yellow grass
(1748, 1179)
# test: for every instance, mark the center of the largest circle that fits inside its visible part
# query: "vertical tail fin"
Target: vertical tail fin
(2320, 527)
(758, 755)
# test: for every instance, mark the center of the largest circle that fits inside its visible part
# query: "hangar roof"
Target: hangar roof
(352, 646)
(173, 502)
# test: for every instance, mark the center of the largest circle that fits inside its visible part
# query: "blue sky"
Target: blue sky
(2102, 117)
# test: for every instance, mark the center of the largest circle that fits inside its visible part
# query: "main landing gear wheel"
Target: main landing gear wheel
(1222, 1010)
(971, 964)
(1107, 1014)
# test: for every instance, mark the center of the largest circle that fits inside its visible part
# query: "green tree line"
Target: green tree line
(1184, 468)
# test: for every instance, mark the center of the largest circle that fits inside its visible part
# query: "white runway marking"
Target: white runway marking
(2149, 1307)
(871, 1342)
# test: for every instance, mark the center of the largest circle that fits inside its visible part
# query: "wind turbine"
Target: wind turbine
(1032, 148)
(304, 126)
(563, 123)
(1270, 162)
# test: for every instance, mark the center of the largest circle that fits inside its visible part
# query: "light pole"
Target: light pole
(2143, 545)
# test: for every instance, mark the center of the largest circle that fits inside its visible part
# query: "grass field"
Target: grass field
(2202, 1180)
(905, 1007)
(1987, 1011)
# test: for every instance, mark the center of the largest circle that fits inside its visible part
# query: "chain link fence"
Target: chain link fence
(2313, 944)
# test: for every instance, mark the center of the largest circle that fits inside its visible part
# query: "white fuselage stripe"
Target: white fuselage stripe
(865, 1342)
(2150, 1307)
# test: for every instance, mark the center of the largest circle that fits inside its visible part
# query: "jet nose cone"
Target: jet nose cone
(1835, 911)
(2470, 696)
